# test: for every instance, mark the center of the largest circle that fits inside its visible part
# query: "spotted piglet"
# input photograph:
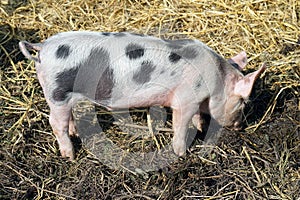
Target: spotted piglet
(124, 70)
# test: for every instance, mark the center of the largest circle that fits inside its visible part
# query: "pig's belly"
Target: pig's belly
(161, 99)
(140, 98)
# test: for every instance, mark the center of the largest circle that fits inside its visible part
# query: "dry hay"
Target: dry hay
(261, 162)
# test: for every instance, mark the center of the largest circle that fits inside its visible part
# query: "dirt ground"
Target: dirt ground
(262, 161)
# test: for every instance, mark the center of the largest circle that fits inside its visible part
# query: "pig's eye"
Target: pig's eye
(242, 101)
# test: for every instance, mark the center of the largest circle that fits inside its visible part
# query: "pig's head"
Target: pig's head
(227, 106)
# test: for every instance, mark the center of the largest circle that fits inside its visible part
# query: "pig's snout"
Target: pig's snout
(236, 126)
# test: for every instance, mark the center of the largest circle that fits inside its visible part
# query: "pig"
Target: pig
(125, 70)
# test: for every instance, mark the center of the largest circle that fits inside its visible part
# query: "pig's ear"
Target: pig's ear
(244, 86)
(240, 60)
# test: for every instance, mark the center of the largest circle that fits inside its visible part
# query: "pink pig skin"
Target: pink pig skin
(123, 70)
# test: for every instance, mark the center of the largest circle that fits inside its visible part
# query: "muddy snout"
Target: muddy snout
(236, 126)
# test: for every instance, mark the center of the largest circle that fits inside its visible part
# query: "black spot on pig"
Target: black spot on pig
(173, 73)
(134, 51)
(198, 83)
(144, 74)
(221, 63)
(92, 78)
(177, 44)
(188, 52)
(235, 65)
(105, 85)
(60, 94)
(121, 34)
(63, 51)
(65, 83)
(162, 71)
(106, 33)
(174, 57)
(95, 78)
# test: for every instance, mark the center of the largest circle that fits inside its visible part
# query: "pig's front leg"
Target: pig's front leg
(59, 121)
(181, 118)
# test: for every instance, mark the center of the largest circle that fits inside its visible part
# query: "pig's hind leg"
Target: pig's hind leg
(60, 117)
(72, 126)
(197, 121)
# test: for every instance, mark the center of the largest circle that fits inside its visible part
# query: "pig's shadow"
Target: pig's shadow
(107, 122)
(259, 100)
(254, 111)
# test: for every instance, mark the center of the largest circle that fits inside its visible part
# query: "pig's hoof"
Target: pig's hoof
(67, 153)
(179, 149)
(179, 152)
(199, 126)
(197, 122)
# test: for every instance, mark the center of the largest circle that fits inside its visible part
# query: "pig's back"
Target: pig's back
(117, 65)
